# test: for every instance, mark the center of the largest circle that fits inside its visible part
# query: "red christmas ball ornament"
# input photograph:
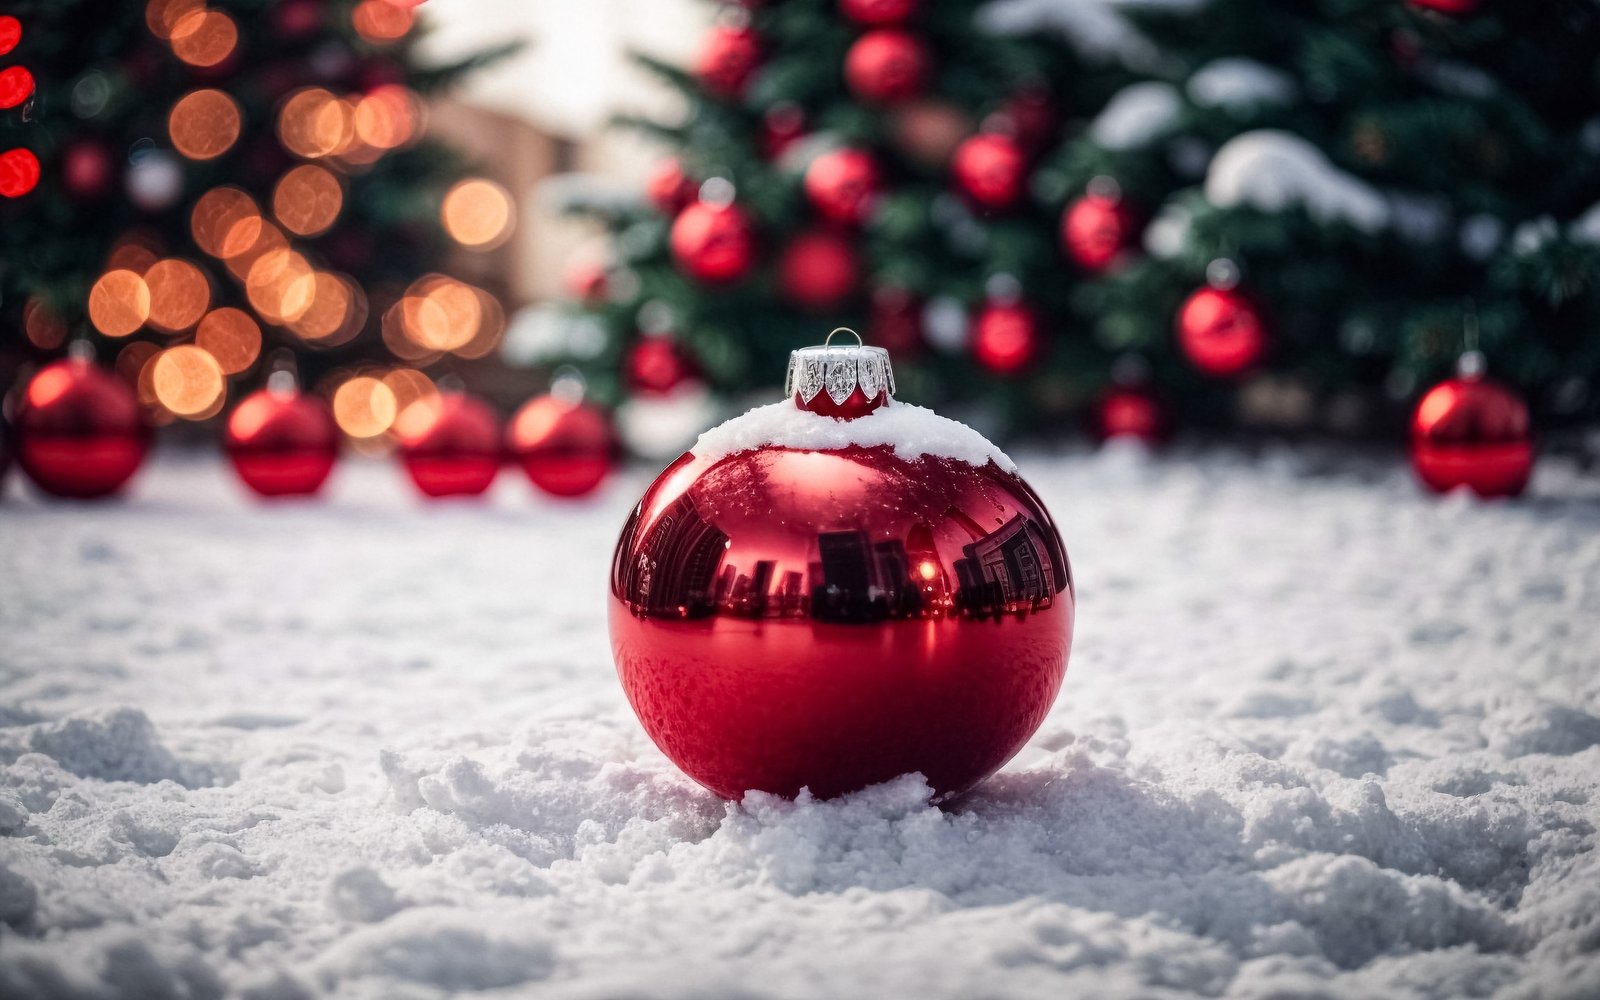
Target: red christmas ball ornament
(818, 270)
(668, 188)
(87, 170)
(449, 444)
(1454, 8)
(887, 66)
(566, 447)
(990, 170)
(1005, 338)
(876, 13)
(1130, 412)
(727, 61)
(713, 243)
(1472, 431)
(824, 600)
(10, 33)
(1221, 332)
(842, 185)
(657, 365)
(280, 441)
(19, 172)
(1097, 230)
(16, 86)
(78, 430)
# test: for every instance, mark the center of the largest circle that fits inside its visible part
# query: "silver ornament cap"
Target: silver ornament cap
(836, 372)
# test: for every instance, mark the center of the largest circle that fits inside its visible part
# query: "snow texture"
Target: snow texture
(1321, 736)
(1136, 115)
(912, 431)
(1096, 29)
(1272, 170)
(1240, 85)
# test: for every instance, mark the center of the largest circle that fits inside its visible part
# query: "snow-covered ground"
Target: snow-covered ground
(1320, 736)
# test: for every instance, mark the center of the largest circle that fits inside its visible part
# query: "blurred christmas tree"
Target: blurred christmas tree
(228, 177)
(1279, 213)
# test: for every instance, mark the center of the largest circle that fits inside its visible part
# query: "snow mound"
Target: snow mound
(1272, 170)
(113, 745)
(912, 431)
(1135, 116)
(1239, 85)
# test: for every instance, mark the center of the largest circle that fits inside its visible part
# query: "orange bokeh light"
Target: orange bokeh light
(440, 313)
(187, 381)
(325, 315)
(268, 239)
(364, 406)
(204, 37)
(43, 328)
(409, 386)
(232, 337)
(132, 359)
(477, 213)
(491, 328)
(225, 222)
(379, 22)
(387, 116)
(313, 123)
(281, 285)
(179, 294)
(119, 303)
(164, 16)
(204, 124)
(307, 200)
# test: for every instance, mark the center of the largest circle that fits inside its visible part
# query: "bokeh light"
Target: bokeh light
(10, 33)
(477, 213)
(491, 328)
(281, 285)
(131, 361)
(119, 303)
(16, 86)
(387, 117)
(163, 16)
(19, 172)
(131, 253)
(225, 222)
(230, 336)
(380, 22)
(399, 342)
(179, 294)
(269, 238)
(364, 406)
(307, 200)
(204, 38)
(409, 385)
(40, 324)
(329, 308)
(187, 381)
(440, 313)
(313, 123)
(204, 124)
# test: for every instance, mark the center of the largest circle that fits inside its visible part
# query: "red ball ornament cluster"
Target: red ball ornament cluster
(824, 611)
(78, 430)
(1471, 431)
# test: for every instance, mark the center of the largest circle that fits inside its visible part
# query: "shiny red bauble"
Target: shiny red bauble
(282, 443)
(1005, 338)
(887, 66)
(727, 60)
(78, 431)
(1130, 412)
(449, 444)
(842, 185)
(656, 366)
(567, 448)
(827, 617)
(990, 171)
(878, 12)
(668, 188)
(818, 270)
(87, 169)
(1097, 231)
(19, 172)
(1472, 432)
(713, 243)
(1221, 332)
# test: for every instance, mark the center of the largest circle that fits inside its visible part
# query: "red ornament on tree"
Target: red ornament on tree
(842, 185)
(449, 444)
(1131, 412)
(1221, 332)
(10, 33)
(16, 86)
(1472, 431)
(713, 243)
(669, 188)
(1097, 230)
(815, 601)
(727, 61)
(78, 430)
(566, 447)
(895, 321)
(656, 365)
(87, 170)
(886, 66)
(990, 170)
(280, 441)
(818, 270)
(1005, 338)
(875, 13)
(19, 172)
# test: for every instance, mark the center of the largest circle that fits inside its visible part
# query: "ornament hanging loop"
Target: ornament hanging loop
(828, 341)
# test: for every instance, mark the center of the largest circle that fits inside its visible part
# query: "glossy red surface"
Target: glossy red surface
(727, 59)
(567, 449)
(887, 66)
(1130, 412)
(449, 444)
(1475, 433)
(1221, 332)
(818, 269)
(841, 185)
(989, 170)
(78, 431)
(784, 619)
(1096, 231)
(657, 365)
(714, 243)
(281, 443)
(1005, 338)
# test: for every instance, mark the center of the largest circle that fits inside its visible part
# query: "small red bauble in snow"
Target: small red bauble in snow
(714, 243)
(1096, 231)
(87, 169)
(990, 170)
(669, 188)
(78, 431)
(895, 321)
(829, 597)
(449, 444)
(842, 185)
(887, 66)
(1005, 338)
(1451, 7)
(281, 442)
(875, 13)
(566, 447)
(1472, 431)
(1130, 412)
(1221, 332)
(818, 270)
(655, 366)
(727, 61)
